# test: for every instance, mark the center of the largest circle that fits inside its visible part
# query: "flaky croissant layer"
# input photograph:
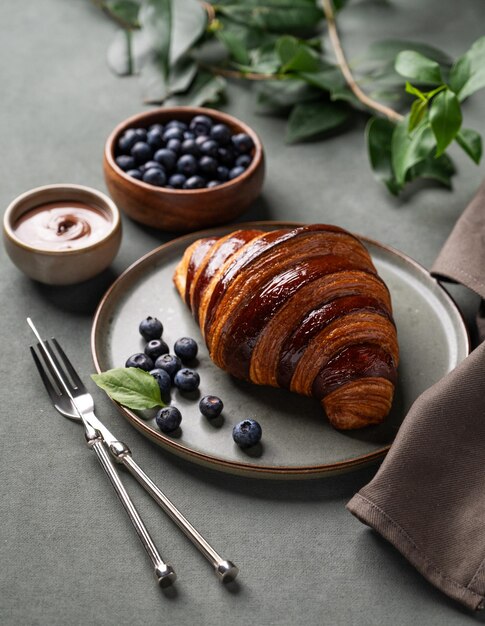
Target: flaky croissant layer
(300, 308)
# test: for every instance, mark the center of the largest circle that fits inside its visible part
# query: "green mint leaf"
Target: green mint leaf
(379, 139)
(445, 119)
(131, 387)
(312, 118)
(459, 74)
(476, 58)
(286, 48)
(471, 142)
(408, 149)
(417, 113)
(414, 91)
(414, 65)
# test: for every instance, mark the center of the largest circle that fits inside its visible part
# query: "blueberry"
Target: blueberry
(134, 174)
(201, 125)
(127, 140)
(141, 152)
(247, 433)
(155, 176)
(210, 148)
(213, 183)
(243, 160)
(236, 171)
(226, 156)
(166, 157)
(150, 328)
(190, 147)
(194, 182)
(222, 173)
(149, 164)
(168, 419)
(141, 134)
(175, 145)
(187, 165)
(221, 133)
(157, 127)
(163, 380)
(169, 363)
(177, 181)
(125, 162)
(177, 124)
(208, 165)
(155, 348)
(243, 143)
(189, 135)
(211, 406)
(201, 139)
(173, 132)
(186, 348)
(154, 139)
(140, 360)
(186, 380)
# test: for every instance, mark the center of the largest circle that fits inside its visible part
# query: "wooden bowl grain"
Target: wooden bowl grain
(182, 210)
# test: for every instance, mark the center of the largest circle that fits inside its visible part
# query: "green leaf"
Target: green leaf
(445, 119)
(281, 16)
(417, 113)
(125, 11)
(379, 141)
(206, 89)
(440, 169)
(235, 45)
(131, 387)
(188, 23)
(414, 65)
(155, 18)
(313, 118)
(459, 74)
(408, 149)
(286, 48)
(414, 91)
(476, 58)
(471, 142)
(279, 95)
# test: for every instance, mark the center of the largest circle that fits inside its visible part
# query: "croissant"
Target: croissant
(300, 308)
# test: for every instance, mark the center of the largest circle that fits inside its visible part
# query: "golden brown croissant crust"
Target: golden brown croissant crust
(299, 308)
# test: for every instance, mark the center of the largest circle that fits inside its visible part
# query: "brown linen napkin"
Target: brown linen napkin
(428, 497)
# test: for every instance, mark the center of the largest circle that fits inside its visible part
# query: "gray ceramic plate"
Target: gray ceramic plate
(297, 440)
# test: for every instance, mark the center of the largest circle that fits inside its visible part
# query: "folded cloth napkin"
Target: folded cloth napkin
(428, 496)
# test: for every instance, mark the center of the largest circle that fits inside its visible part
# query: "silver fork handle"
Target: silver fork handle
(225, 570)
(164, 573)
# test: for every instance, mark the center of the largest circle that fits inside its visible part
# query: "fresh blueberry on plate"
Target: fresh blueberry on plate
(210, 148)
(134, 174)
(127, 140)
(187, 165)
(208, 165)
(211, 406)
(221, 133)
(213, 183)
(236, 171)
(140, 360)
(243, 143)
(155, 348)
(222, 173)
(168, 419)
(247, 433)
(141, 152)
(169, 363)
(154, 139)
(125, 162)
(155, 176)
(187, 380)
(166, 157)
(201, 125)
(173, 132)
(175, 145)
(177, 181)
(163, 380)
(243, 160)
(150, 328)
(190, 147)
(194, 182)
(186, 349)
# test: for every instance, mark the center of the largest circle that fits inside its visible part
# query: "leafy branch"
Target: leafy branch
(185, 50)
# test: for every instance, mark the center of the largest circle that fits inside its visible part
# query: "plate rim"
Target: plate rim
(239, 467)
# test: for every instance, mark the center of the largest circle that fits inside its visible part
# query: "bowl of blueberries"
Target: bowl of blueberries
(180, 169)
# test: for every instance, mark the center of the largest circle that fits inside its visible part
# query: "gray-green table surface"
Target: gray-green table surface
(68, 554)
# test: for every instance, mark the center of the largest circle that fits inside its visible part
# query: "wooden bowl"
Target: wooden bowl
(182, 210)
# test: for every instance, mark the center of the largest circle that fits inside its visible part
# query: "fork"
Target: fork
(71, 398)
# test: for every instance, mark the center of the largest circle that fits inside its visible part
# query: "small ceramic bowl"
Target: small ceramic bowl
(182, 210)
(62, 266)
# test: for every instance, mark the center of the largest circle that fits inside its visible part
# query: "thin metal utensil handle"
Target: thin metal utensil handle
(225, 570)
(164, 573)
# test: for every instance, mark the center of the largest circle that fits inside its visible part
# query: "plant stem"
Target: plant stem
(221, 71)
(345, 69)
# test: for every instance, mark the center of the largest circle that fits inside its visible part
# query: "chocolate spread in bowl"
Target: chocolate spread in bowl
(62, 225)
